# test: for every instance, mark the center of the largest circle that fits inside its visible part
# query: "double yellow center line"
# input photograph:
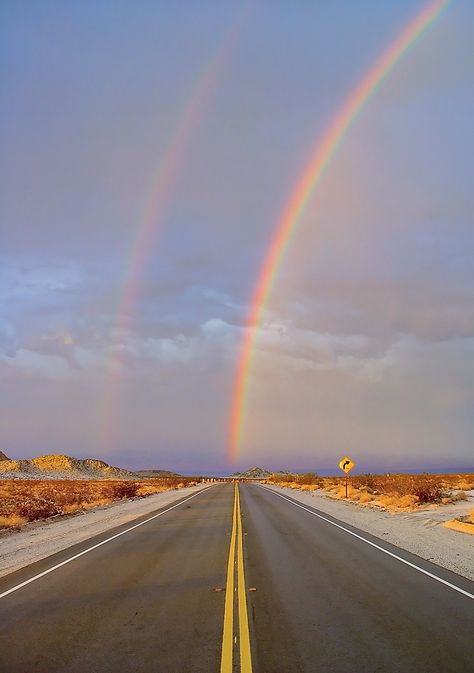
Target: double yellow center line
(235, 567)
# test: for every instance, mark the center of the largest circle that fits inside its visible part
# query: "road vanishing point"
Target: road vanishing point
(236, 578)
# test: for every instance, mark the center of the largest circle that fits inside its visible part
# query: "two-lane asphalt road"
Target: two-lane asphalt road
(235, 580)
(329, 601)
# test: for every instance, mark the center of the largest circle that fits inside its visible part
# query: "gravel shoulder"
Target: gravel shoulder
(421, 533)
(40, 539)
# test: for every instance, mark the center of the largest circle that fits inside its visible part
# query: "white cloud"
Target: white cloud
(30, 364)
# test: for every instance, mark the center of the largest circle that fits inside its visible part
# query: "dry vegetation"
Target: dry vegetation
(25, 500)
(391, 491)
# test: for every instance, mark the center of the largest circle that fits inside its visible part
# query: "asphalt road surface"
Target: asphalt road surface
(236, 579)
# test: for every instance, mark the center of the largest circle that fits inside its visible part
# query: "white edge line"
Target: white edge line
(373, 544)
(99, 544)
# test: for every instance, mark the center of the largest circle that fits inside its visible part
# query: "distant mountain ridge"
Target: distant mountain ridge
(3, 456)
(253, 473)
(60, 466)
(258, 473)
(156, 473)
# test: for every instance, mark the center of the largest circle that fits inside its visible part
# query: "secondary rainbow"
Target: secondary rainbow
(163, 182)
(301, 195)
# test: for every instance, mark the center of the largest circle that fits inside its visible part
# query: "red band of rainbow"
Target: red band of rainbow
(163, 183)
(301, 195)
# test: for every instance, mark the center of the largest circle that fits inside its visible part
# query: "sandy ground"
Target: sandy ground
(42, 538)
(421, 532)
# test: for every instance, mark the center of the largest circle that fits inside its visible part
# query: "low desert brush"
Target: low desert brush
(306, 482)
(29, 499)
(393, 491)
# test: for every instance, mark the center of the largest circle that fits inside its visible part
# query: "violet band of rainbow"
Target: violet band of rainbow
(159, 197)
(301, 195)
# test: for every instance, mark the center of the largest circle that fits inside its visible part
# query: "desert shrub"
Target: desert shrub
(279, 478)
(168, 482)
(125, 489)
(295, 480)
(395, 491)
(33, 509)
(8, 506)
(367, 481)
(427, 488)
(462, 482)
(309, 478)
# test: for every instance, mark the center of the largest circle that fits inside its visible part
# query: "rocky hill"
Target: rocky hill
(253, 473)
(156, 473)
(59, 466)
(258, 473)
(3, 456)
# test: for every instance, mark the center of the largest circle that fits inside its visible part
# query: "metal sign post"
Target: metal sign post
(346, 465)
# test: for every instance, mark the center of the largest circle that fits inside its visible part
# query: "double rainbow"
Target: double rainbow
(301, 195)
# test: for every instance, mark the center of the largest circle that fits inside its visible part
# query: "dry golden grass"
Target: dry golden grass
(74, 507)
(12, 521)
(460, 526)
(308, 487)
(24, 500)
(150, 489)
(365, 497)
(397, 492)
(307, 479)
(397, 502)
(464, 485)
(461, 482)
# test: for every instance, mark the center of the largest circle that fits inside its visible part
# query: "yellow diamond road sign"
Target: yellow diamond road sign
(346, 464)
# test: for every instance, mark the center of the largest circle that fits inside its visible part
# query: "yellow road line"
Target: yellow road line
(227, 637)
(245, 653)
(237, 536)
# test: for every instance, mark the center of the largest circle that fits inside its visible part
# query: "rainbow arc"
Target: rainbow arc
(303, 192)
(157, 201)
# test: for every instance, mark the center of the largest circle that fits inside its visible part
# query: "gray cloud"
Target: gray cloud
(366, 340)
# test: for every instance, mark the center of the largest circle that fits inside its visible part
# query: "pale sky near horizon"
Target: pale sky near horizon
(367, 343)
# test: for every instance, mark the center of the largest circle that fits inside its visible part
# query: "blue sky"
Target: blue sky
(368, 337)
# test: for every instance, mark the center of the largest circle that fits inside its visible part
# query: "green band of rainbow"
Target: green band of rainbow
(158, 198)
(301, 195)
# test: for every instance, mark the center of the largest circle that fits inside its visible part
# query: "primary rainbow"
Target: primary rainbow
(309, 180)
(162, 184)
